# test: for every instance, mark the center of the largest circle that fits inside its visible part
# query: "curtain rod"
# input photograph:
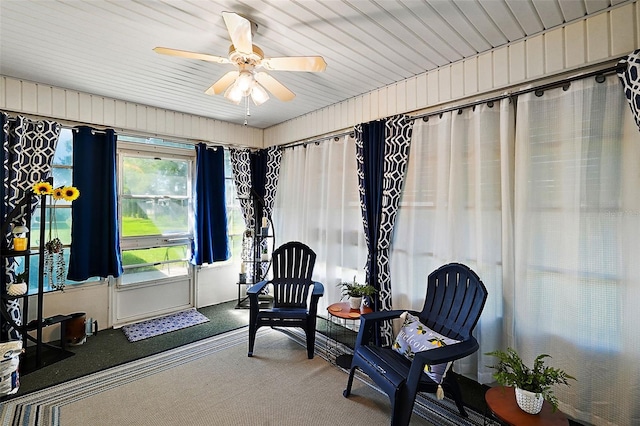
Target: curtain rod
(538, 90)
(93, 131)
(316, 141)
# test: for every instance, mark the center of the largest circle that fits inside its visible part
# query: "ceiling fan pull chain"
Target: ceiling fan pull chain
(247, 111)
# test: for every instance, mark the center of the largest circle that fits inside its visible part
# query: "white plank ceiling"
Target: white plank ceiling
(104, 47)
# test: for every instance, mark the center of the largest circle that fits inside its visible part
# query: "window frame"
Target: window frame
(155, 149)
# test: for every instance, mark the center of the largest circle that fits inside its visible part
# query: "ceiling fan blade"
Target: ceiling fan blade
(224, 82)
(191, 55)
(275, 87)
(240, 32)
(296, 63)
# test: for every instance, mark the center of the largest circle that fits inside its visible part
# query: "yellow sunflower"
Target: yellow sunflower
(42, 188)
(58, 193)
(70, 193)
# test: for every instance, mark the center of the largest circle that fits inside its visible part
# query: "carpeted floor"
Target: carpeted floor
(213, 382)
(111, 348)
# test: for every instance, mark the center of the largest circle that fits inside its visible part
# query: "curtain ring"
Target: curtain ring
(490, 104)
(539, 92)
(425, 118)
(566, 86)
(600, 78)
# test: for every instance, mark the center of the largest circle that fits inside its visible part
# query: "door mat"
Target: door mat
(155, 327)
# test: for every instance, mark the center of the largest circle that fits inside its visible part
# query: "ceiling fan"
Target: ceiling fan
(247, 80)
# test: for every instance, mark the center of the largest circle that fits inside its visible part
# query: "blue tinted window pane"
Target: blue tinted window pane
(64, 150)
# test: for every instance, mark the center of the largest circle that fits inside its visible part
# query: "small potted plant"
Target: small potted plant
(19, 286)
(356, 291)
(532, 385)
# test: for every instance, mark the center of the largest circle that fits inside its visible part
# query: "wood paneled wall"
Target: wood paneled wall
(77, 107)
(591, 41)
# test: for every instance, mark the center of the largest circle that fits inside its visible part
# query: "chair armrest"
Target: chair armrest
(318, 289)
(368, 322)
(447, 353)
(257, 287)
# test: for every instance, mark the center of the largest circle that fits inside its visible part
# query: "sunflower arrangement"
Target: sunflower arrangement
(55, 267)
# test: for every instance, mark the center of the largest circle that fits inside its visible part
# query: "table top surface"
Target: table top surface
(343, 310)
(502, 403)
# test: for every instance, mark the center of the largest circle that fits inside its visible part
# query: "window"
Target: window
(155, 208)
(235, 219)
(57, 220)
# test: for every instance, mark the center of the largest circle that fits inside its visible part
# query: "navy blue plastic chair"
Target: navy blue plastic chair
(454, 301)
(295, 295)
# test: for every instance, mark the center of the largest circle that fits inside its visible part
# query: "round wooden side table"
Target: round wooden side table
(501, 401)
(349, 318)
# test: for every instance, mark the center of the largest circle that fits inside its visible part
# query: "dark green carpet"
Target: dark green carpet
(110, 347)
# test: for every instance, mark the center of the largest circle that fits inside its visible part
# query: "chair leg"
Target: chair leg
(401, 407)
(347, 391)
(311, 342)
(252, 338)
(456, 393)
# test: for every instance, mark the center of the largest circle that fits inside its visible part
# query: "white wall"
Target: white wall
(77, 107)
(597, 39)
(591, 41)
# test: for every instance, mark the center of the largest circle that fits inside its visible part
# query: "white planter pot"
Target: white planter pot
(17, 289)
(529, 402)
(355, 302)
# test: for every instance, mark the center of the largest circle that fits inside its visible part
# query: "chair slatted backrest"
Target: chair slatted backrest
(455, 299)
(293, 264)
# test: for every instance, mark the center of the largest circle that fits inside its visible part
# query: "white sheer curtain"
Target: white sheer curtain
(456, 207)
(545, 207)
(576, 293)
(317, 202)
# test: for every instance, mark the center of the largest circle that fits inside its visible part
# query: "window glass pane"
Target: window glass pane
(155, 177)
(60, 225)
(151, 216)
(235, 220)
(155, 263)
(155, 196)
(64, 150)
(61, 176)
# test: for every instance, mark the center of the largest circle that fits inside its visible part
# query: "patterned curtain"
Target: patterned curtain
(382, 153)
(274, 158)
(27, 153)
(630, 78)
(245, 177)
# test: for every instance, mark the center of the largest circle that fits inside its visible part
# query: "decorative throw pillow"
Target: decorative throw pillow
(417, 337)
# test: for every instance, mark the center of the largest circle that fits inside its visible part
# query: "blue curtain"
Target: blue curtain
(371, 199)
(210, 242)
(258, 180)
(95, 241)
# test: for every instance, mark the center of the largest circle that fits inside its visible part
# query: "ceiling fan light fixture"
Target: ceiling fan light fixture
(245, 81)
(234, 93)
(259, 95)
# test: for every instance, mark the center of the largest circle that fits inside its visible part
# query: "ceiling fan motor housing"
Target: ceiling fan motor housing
(254, 58)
